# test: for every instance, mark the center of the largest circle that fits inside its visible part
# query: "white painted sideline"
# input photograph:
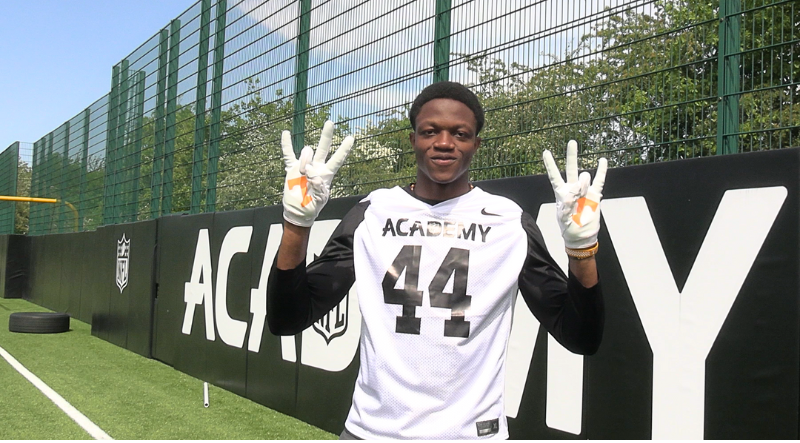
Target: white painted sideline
(74, 414)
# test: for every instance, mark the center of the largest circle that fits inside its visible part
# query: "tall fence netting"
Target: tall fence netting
(193, 117)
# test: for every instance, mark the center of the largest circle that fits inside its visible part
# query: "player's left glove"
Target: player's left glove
(308, 180)
(577, 203)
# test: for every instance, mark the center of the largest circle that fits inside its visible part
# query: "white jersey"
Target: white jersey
(436, 285)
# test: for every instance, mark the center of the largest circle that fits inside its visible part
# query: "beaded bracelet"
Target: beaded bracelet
(584, 253)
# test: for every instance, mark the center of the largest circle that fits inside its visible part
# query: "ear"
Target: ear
(411, 137)
(477, 142)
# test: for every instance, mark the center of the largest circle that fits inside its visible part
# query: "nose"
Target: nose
(444, 140)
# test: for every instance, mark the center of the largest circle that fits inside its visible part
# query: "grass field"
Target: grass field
(128, 396)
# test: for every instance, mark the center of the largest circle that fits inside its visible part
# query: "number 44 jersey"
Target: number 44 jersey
(436, 287)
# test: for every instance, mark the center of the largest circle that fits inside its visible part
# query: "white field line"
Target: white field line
(74, 414)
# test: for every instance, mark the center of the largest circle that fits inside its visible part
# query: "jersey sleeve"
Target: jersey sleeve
(572, 314)
(298, 297)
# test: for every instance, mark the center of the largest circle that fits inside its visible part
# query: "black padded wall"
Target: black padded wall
(104, 257)
(3, 260)
(743, 379)
(88, 263)
(271, 380)
(177, 237)
(14, 266)
(141, 286)
(229, 370)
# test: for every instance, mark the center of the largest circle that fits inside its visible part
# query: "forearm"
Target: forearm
(572, 313)
(289, 304)
(583, 322)
(297, 296)
(288, 299)
(585, 271)
(294, 246)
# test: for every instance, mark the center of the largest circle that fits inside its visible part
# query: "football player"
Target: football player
(437, 264)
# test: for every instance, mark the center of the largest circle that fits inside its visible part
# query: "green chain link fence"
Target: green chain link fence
(193, 118)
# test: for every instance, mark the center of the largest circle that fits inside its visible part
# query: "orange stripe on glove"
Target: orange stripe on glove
(301, 181)
(582, 203)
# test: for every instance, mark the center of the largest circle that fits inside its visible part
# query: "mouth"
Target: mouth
(443, 160)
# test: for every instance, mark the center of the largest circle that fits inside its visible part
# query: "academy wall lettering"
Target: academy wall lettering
(681, 337)
(699, 267)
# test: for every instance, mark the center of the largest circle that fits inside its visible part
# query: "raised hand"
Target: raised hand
(577, 203)
(308, 180)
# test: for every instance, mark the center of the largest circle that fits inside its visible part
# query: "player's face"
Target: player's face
(444, 142)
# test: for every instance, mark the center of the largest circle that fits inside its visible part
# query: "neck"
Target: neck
(440, 191)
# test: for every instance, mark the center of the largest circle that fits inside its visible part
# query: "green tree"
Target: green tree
(661, 71)
(251, 169)
(641, 86)
(92, 204)
(382, 156)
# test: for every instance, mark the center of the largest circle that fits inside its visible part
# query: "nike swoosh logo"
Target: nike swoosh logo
(483, 211)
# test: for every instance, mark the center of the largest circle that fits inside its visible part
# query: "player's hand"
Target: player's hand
(308, 180)
(577, 203)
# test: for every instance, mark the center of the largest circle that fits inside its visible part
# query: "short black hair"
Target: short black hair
(451, 90)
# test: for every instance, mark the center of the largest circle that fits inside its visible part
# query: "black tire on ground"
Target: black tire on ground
(38, 322)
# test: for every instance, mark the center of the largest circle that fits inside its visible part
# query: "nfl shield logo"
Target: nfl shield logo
(123, 255)
(334, 323)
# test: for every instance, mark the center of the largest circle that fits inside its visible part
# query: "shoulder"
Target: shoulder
(383, 194)
(496, 204)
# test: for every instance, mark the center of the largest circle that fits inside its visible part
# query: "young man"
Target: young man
(438, 264)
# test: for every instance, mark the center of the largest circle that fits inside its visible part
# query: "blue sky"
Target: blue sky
(56, 56)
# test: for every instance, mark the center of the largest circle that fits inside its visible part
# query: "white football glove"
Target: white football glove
(577, 203)
(308, 181)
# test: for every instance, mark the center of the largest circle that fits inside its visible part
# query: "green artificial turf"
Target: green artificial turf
(128, 396)
(26, 414)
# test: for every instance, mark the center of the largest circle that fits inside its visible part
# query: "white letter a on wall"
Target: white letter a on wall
(199, 289)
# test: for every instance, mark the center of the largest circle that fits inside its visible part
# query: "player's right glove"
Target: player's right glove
(577, 203)
(308, 180)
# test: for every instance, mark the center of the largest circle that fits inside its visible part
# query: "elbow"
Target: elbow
(590, 349)
(585, 341)
(591, 342)
(276, 327)
(284, 325)
(587, 348)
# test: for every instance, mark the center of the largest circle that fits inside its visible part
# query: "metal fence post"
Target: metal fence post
(9, 163)
(729, 61)
(119, 156)
(301, 78)
(87, 113)
(136, 155)
(62, 191)
(158, 149)
(34, 213)
(15, 185)
(34, 163)
(216, 106)
(441, 43)
(49, 171)
(200, 108)
(111, 142)
(172, 108)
